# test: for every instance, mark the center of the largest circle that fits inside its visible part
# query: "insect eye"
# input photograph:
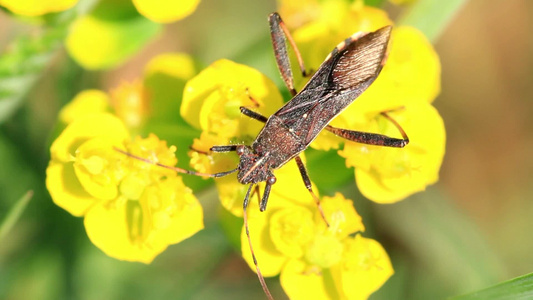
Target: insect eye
(271, 180)
(240, 150)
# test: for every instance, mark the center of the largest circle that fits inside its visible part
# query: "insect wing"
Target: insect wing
(345, 74)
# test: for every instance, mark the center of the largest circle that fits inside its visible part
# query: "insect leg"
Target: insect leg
(307, 183)
(245, 216)
(179, 170)
(373, 138)
(278, 33)
(252, 114)
(227, 148)
(258, 193)
(266, 194)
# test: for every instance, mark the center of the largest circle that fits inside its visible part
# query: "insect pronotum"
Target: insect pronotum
(345, 73)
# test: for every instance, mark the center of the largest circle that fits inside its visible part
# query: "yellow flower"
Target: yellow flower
(364, 268)
(37, 7)
(389, 175)
(292, 239)
(211, 100)
(66, 189)
(133, 210)
(114, 31)
(409, 81)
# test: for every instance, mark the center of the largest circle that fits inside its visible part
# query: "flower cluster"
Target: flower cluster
(291, 238)
(316, 261)
(407, 85)
(132, 209)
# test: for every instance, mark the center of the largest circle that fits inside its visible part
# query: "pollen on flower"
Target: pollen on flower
(325, 251)
(156, 151)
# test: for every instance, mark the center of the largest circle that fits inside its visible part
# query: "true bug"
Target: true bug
(346, 73)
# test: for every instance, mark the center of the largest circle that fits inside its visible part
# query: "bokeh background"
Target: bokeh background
(470, 230)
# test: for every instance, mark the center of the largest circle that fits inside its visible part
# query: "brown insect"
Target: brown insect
(344, 75)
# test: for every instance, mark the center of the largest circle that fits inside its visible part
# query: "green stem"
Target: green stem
(14, 214)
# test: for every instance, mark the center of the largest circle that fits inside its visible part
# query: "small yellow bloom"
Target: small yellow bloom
(409, 81)
(292, 229)
(33, 8)
(133, 210)
(291, 239)
(364, 268)
(387, 175)
(163, 11)
(303, 281)
(211, 100)
(62, 181)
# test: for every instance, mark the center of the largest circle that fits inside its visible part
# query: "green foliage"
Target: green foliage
(24, 63)
(517, 288)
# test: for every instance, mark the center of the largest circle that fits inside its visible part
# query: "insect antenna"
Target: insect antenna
(177, 169)
(245, 216)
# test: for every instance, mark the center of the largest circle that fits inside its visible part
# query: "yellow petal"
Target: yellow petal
(178, 65)
(96, 168)
(364, 269)
(300, 281)
(324, 251)
(176, 213)
(291, 230)
(211, 100)
(394, 174)
(341, 215)
(66, 190)
(163, 11)
(108, 229)
(84, 103)
(269, 259)
(37, 7)
(105, 126)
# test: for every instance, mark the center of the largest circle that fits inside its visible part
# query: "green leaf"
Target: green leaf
(14, 214)
(23, 63)
(431, 16)
(516, 288)
(444, 242)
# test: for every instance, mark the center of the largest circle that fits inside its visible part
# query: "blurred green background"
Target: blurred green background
(470, 230)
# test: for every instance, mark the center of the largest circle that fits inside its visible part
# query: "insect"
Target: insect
(344, 75)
